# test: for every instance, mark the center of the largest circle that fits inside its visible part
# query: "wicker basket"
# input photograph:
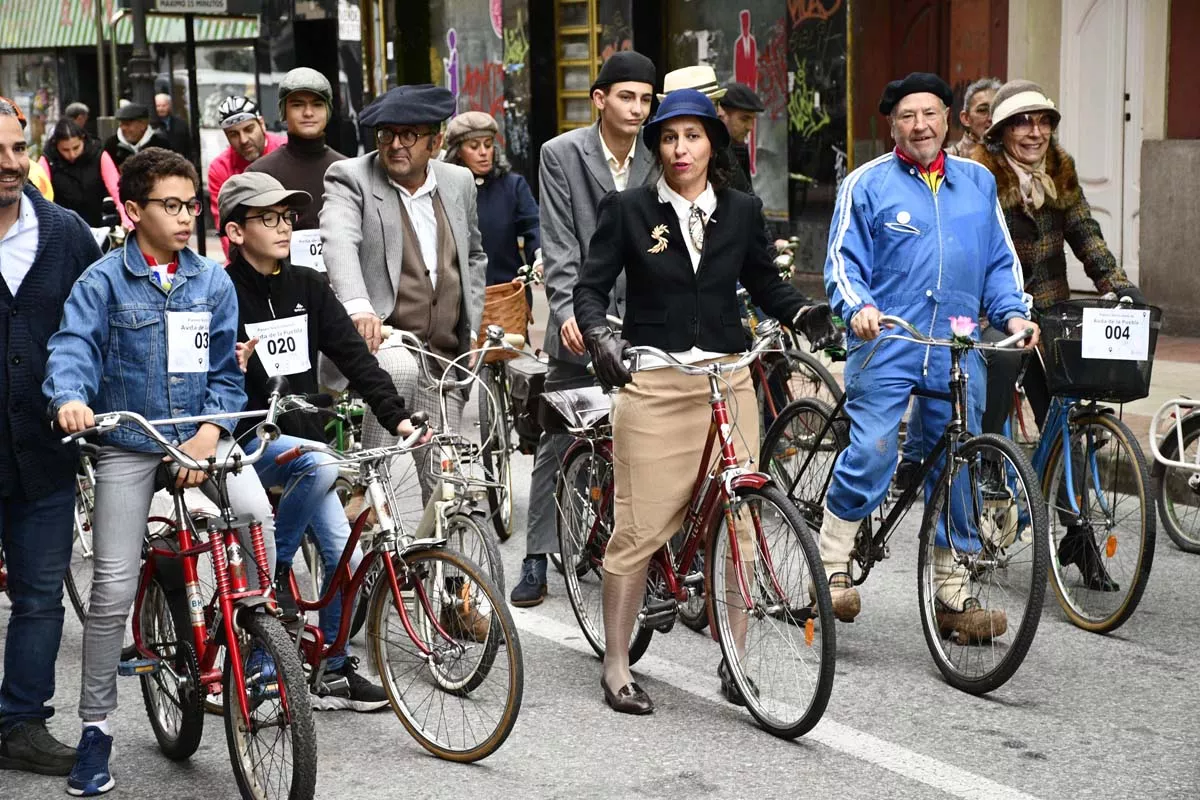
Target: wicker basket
(504, 304)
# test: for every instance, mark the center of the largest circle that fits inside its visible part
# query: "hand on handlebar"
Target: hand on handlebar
(200, 447)
(865, 323)
(74, 417)
(1017, 325)
(370, 327)
(607, 351)
(816, 323)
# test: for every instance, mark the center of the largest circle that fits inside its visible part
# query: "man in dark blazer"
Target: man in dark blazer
(577, 169)
(173, 127)
(44, 248)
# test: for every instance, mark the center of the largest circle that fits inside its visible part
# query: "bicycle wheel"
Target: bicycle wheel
(361, 605)
(1102, 557)
(1178, 491)
(981, 599)
(78, 580)
(585, 508)
(461, 702)
(781, 650)
(799, 451)
(274, 754)
(495, 434)
(468, 534)
(172, 694)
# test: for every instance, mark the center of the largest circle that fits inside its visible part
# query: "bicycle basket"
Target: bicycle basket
(504, 304)
(1072, 374)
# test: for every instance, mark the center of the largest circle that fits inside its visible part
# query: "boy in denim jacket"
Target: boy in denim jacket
(149, 328)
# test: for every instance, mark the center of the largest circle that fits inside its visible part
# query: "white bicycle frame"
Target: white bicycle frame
(1175, 408)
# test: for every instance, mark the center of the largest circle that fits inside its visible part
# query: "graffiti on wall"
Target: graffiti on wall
(802, 10)
(772, 71)
(483, 89)
(516, 46)
(816, 108)
(450, 62)
(745, 70)
(805, 114)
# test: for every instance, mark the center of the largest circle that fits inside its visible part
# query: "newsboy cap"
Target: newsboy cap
(625, 65)
(741, 97)
(132, 111)
(418, 104)
(256, 190)
(915, 83)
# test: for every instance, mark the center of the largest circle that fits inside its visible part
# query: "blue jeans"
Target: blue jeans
(36, 536)
(309, 502)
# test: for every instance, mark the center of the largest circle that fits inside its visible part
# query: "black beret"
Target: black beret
(625, 65)
(742, 97)
(915, 83)
(420, 104)
(131, 111)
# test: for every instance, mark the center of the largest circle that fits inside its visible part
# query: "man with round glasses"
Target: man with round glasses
(306, 105)
(403, 247)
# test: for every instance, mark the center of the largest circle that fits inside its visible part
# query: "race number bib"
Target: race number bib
(307, 250)
(187, 341)
(282, 345)
(1121, 334)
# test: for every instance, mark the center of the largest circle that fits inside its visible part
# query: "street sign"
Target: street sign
(192, 6)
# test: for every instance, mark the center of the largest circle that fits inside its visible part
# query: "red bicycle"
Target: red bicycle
(770, 609)
(268, 718)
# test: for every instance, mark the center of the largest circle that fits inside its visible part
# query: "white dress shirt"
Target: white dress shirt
(619, 171)
(707, 203)
(18, 248)
(419, 205)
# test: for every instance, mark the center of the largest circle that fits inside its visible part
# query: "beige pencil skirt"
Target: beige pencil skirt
(660, 423)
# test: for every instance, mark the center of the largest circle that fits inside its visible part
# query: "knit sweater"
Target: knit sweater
(507, 210)
(301, 164)
(33, 463)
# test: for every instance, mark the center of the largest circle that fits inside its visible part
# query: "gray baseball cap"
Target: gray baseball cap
(256, 190)
(305, 79)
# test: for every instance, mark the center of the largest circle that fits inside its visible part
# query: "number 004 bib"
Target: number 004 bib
(282, 344)
(187, 341)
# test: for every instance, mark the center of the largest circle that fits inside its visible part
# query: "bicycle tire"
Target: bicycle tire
(1174, 494)
(586, 475)
(793, 437)
(783, 715)
(1104, 616)
(816, 376)
(1034, 545)
(173, 648)
(470, 535)
(496, 438)
(496, 666)
(296, 723)
(78, 580)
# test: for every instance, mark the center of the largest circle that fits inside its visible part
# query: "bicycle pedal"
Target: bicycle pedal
(137, 666)
(659, 614)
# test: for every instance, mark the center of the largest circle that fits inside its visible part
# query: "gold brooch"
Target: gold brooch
(659, 234)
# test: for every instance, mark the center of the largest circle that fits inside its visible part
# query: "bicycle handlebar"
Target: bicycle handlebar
(420, 419)
(496, 339)
(768, 336)
(1004, 345)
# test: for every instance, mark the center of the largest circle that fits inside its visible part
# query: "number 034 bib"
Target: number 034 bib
(282, 344)
(187, 341)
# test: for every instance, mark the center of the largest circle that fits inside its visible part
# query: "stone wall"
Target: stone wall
(1169, 254)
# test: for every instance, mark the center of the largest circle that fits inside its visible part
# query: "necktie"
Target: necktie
(696, 228)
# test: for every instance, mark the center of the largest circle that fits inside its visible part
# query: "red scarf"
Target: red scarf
(933, 175)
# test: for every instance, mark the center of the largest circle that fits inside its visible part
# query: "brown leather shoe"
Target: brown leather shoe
(629, 699)
(845, 599)
(462, 620)
(973, 625)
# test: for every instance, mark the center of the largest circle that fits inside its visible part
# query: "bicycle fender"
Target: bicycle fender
(251, 603)
(750, 480)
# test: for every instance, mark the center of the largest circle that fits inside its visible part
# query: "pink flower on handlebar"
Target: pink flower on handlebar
(962, 327)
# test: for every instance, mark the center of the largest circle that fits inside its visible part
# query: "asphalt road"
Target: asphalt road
(1085, 717)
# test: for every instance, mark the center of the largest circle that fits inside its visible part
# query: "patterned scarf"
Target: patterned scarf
(1035, 184)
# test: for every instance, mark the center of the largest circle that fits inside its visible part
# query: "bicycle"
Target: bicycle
(500, 417)
(438, 629)
(1003, 544)
(261, 679)
(1177, 471)
(780, 592)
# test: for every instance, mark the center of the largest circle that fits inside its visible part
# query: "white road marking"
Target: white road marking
(904, 762)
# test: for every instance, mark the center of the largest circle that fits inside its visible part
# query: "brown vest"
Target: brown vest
(431, 313)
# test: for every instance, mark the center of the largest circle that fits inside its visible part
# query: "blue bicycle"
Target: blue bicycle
(1102, 520)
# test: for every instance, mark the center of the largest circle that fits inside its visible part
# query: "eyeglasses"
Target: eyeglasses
(929, 116)
(271, 219)
(385, 137)
(173, 205)
(1022, 124)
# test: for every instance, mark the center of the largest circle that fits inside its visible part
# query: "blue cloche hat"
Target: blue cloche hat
(687, 103)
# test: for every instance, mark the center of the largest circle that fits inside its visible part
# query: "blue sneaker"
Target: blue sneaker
(90, 776)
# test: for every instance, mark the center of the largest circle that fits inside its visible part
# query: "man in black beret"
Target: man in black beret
(739, 110)
(402, 247)
(134, 134)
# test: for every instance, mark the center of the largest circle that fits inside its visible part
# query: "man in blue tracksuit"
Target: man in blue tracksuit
(918, 235)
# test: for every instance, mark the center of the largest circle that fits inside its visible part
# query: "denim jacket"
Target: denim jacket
(111, 350)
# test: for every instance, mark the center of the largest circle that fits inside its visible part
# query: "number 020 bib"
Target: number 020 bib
(282, 344)
(307, 250)
(187, 341)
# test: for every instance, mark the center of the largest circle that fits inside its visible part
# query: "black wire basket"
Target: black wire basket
(1069, 374)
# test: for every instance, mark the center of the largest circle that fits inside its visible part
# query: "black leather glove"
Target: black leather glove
(1133, 293)
(606, 350)
(815, 322)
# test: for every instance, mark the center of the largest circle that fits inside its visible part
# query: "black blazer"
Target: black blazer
(668, 305)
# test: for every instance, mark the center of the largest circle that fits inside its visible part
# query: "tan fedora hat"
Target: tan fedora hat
(1018, 97)
(702, 78)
